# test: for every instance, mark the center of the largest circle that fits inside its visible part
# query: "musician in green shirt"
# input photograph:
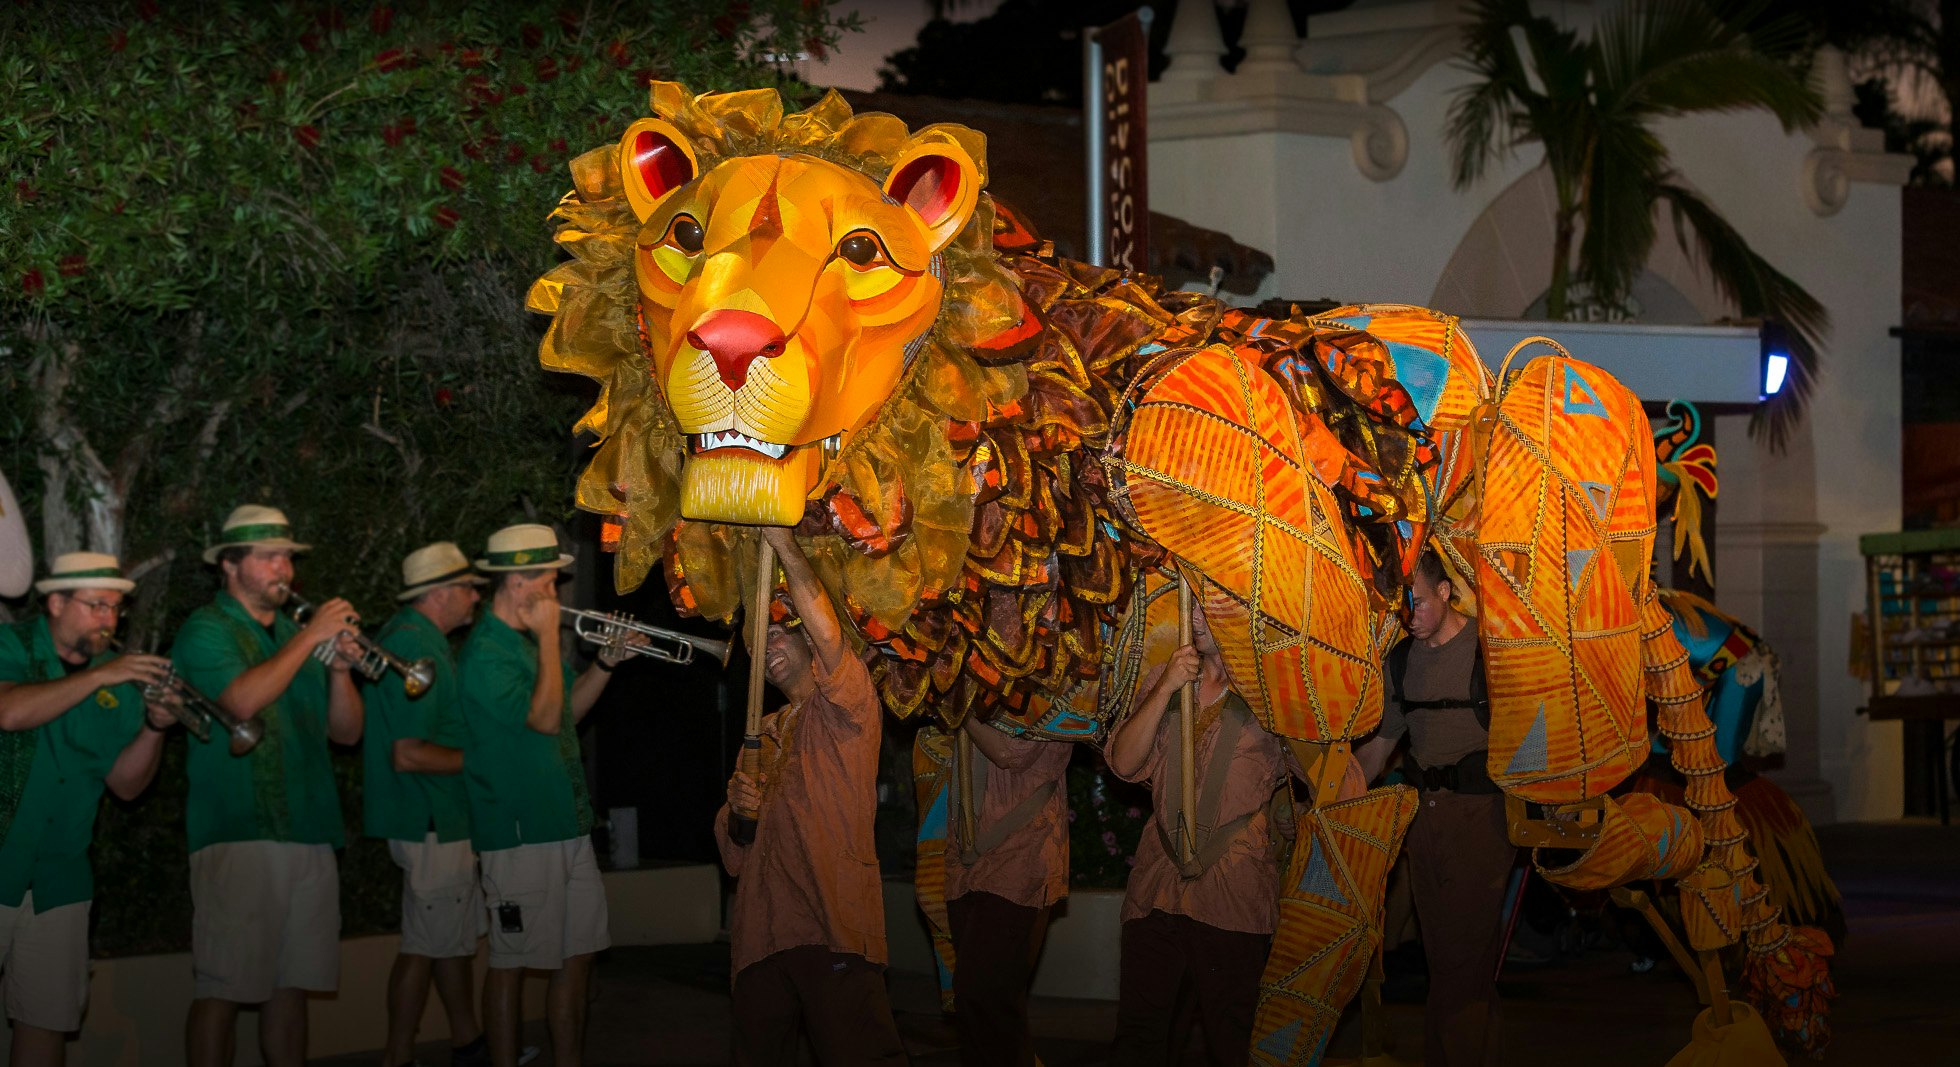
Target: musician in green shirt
(529, 813)
(414, 796)
(265, 890)
(72, 720)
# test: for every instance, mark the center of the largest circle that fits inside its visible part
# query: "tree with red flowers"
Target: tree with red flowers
(278, 253)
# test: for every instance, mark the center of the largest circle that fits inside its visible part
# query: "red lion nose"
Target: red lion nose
(735, 339)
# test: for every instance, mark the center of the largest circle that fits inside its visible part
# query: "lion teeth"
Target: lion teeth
(708, 442)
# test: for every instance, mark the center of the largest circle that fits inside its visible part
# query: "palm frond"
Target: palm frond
(1628, 161)
(1667, 57)
(1757, 290)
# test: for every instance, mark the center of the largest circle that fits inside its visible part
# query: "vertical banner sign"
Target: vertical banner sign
(1125, 48)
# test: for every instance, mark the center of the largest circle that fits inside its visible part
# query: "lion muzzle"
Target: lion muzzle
(736, 339)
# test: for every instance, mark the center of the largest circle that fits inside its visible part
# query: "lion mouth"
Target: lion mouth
(701, 444)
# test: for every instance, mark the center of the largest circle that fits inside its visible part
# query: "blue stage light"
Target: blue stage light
(1776, 367)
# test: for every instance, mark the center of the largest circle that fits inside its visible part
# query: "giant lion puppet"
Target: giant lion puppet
(998, 460)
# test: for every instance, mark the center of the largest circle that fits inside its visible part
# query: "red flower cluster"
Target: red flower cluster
(447, 218)
(451, 178)
(392, 59)
(547, 69)
(74, 266)
(26, 191)
(33, 284)
(616, 51)
(381, 18)
(308, 136)
(395, 133)
(310, 41)
(118, 41)
(533, 35)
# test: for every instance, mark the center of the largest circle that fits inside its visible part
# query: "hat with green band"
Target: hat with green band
(434, 566)
(528, 546)
(255, 526)
(84, 570)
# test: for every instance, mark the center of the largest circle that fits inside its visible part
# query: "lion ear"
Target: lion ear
(941, 184)
(654, 160)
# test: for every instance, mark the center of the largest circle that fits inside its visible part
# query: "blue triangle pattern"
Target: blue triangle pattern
(1580, 397)
(1279, 1043)
(1598, 494)
(1319, 877)
(1422, 373)
(1531, 755)
(1575, 564)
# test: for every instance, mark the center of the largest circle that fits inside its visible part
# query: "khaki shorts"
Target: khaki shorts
(442, 905)
(265, 915)
(45, 960)
(546, 904)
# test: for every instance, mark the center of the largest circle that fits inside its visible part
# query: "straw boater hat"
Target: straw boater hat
(255, 526)
(434, 566)
(84, 570)
(527, 546)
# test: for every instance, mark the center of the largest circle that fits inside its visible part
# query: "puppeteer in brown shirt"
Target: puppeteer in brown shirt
(1026, 864)
(1241, 890)
(810, 876)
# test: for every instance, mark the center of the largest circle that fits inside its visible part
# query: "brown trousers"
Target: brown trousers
(1177, 971)
(995, 944)
(839, 1000)
(1460, 863)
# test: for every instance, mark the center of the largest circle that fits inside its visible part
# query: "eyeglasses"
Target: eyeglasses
(100, 607)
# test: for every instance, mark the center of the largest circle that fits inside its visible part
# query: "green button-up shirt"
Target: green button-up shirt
(282, 790)
(525, 787)
(403, 806)
(51, 776)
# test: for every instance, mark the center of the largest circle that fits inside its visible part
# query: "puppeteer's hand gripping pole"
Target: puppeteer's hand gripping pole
(749, 762)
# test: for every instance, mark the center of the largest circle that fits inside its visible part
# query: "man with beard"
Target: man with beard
(72, 720)
(1459, 854)
(808, 924)
(263, 827)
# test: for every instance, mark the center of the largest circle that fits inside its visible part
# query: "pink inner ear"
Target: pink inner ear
(929, 185)
(663, 166)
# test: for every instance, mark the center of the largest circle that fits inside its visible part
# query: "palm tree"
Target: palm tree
(1590, 103)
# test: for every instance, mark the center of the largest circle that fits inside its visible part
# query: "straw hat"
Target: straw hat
(434, 566)
(526, 546)
(84, 570)
(255, 526)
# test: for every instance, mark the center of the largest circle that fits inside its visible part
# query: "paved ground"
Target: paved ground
(1897, 973)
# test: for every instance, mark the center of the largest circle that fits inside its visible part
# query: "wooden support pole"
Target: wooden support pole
(750, 760)
(1187, 741)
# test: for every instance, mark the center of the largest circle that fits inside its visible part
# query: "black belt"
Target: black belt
(1471, 774)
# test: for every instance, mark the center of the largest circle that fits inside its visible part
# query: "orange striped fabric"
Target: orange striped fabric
(1330, 922)
(1640, 836)
(1565, 531)
(1219, 469)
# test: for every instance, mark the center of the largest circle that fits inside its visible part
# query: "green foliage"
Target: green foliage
(1591, 103)
(278, 253)
(1106, 817)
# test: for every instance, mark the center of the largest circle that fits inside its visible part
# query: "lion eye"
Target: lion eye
(860, 249)
(687, 234)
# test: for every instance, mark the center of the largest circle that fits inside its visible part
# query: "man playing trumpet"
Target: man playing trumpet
(72, 719)
(530, 817)
(415, 801)
(265, 891)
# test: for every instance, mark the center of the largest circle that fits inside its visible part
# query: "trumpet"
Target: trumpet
(609, 630)
(375, 661)
(197, 712)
